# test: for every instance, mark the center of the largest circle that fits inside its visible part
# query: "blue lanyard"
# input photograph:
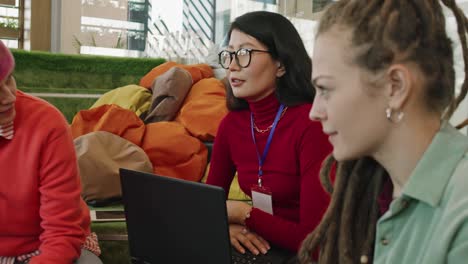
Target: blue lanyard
(261, 159)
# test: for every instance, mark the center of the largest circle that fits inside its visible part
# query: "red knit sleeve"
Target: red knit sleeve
(222, 168)
(313, 147)
(64, 218)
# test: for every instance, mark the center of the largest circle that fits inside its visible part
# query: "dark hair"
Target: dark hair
(285, 45)
(384, 32)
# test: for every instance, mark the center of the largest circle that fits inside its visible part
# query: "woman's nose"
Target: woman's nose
(233, 66)
(317, 112)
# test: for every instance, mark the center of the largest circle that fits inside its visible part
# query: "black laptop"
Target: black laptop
(178, 222)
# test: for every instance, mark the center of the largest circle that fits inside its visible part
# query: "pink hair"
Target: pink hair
(7, 62)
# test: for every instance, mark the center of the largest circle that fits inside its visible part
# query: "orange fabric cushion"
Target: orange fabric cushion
(204, 108)
(148, 79)
(197, 71)
(111, 118)
(173, 152)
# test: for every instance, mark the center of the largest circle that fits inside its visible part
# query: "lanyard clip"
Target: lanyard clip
(260, 174)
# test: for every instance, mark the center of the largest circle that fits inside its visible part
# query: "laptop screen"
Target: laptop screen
(174, 221)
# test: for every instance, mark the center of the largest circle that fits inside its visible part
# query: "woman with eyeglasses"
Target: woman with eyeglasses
(267, 136)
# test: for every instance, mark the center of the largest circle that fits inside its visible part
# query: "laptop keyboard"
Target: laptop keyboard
(249, 258)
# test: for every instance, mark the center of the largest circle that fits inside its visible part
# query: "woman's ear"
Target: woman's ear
(399, 86)
(281, 70)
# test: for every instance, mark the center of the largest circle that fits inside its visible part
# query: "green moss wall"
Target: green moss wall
(44, 72)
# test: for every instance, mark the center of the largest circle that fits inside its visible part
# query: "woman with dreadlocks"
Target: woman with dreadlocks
(384, 77)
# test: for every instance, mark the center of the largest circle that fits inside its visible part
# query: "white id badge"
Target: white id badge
(261, 199)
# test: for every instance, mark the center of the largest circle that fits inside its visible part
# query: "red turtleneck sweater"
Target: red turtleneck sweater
(291, 168)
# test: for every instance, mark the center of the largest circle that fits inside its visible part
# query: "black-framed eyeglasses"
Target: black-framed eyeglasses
(243, 57)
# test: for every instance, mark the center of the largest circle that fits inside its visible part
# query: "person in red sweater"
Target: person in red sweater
(42, 216)
(267, 136)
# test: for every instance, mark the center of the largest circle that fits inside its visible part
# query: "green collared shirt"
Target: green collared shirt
(429, 222)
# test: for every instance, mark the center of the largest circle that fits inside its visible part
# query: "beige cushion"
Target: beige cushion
(100, 155)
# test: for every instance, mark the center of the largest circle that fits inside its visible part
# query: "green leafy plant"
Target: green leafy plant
(93, 39)
(9, 23)
(120, 44)
(77, 43)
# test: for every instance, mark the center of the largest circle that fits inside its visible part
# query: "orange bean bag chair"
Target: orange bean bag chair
(174, 152)
(111, 118)
(204, 108)
(197, 71)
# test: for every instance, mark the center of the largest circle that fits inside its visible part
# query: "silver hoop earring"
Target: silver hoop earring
(394, 119)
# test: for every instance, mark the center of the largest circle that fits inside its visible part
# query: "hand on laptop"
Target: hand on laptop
(242, 238)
